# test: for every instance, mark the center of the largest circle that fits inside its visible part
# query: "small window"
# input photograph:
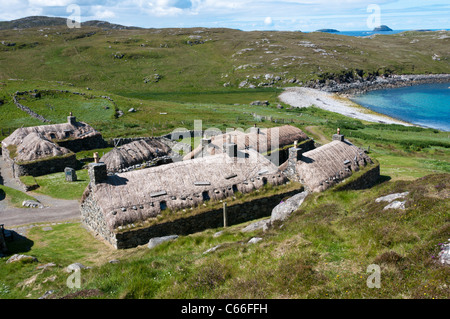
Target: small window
(163, 205)
(264, 180)
(67, 134)
(52, 135)
(235, 189)
(205, 196)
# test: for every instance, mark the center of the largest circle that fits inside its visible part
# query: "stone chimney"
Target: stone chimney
(338, 136)
(206, 141)
(72, 119)
(254, 129)
(97, 171)
(295, 155)
(230, 149)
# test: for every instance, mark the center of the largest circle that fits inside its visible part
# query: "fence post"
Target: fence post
(225, 214)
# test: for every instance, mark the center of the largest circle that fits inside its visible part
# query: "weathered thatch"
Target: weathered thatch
(139, 195)
(133, 153)
(34, 147)
(55, 132)
(329, 164)
(34, 143)
(261, 140)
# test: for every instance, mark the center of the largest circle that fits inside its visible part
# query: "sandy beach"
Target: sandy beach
(306, 97)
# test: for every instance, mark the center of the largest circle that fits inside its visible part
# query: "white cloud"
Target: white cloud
(102, 13)
(268, 21)
(50, 3)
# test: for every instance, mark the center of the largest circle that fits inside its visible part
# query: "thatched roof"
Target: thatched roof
(329, 164)
(34, 147)
(37, 142)
(55, 132)
(263, 141)
(139, 195)
(134, 153)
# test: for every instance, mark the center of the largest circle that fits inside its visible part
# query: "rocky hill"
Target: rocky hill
(43, 21)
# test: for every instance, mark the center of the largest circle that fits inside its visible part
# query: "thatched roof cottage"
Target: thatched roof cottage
(331, 164)
(268, 141)
(113, 203)
(136, 153)
(44, 149)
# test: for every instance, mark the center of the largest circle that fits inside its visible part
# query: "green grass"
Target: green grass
(322, 252)
(324, 249)
(13, 196)
(56, 186)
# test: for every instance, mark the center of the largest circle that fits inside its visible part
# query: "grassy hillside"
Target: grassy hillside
(195, 60)
(323, 251)
(318, 253)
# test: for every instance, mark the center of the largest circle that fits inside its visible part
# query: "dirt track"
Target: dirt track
(54, 209)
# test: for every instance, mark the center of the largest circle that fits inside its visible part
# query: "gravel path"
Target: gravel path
(54, 209)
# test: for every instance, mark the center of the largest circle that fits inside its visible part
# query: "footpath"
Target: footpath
(54, 209)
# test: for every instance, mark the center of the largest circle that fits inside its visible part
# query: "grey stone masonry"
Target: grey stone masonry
(295, 154)
(71, 175)
(72, 120)
(230, 149)
(97, 172)
(338, 137)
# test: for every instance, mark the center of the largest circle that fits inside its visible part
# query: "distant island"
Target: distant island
(382, 28)
(328, 30)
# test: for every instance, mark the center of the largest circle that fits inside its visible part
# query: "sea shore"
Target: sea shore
(335, 97)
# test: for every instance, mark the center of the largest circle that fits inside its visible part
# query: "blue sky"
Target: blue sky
(304, 15)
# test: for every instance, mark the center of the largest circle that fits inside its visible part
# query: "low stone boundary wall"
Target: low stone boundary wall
(44, 167)
(28, 110)
(366, 179)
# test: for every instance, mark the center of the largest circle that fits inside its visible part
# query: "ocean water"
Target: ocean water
(368, 33)
(426, 105)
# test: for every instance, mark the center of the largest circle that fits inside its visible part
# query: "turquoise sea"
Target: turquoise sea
(426, 105)
(368, 33)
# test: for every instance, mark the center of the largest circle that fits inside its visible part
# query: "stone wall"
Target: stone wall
(88, 143)
(236, 214)
(28, 110)
(367, 178)
(92, 217)
(42, 167)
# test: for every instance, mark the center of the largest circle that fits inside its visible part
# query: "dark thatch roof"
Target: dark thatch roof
(329, 164)
(139, 195)
(35, 147)
(39, 142)
(263, 141)
(134, 153)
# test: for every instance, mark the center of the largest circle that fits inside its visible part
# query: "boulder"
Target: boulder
(75, 267)
(24, 258)
(254, 240)
(213, 249)
(444, 254)
(255, 226)
(32, 204)
(391, 197)
(284, 209)
(260, 103)
(159, 240)
(395, 205)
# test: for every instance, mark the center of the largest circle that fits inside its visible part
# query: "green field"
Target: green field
(323, 251)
